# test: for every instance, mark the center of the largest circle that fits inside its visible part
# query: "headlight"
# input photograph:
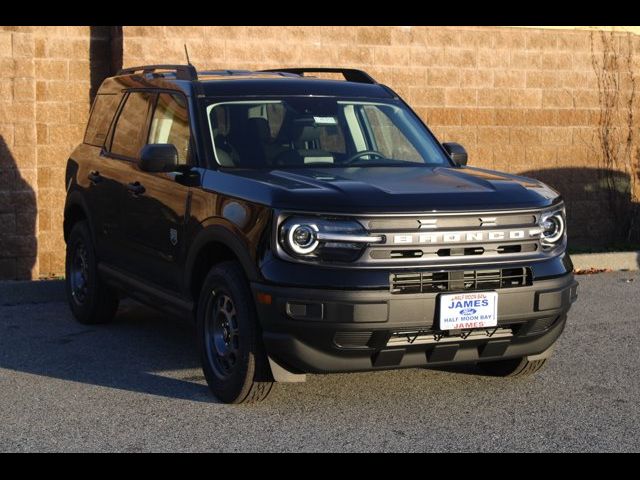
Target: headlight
(303, 238)
(324, 239)
(553, 226)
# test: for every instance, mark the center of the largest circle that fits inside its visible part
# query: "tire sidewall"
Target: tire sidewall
(235, 386)
(80, 233)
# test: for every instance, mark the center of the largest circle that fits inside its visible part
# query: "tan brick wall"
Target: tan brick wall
(18, 156)
(62, 105)
(520, 100)
(45, 79)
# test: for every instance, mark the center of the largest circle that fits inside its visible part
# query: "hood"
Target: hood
(382, 189)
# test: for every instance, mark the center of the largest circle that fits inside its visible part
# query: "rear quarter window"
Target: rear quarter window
(104, 108)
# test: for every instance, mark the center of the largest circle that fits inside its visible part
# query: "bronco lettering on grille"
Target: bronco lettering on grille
(464, 237)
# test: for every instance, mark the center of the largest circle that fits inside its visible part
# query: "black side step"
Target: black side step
(144, 292)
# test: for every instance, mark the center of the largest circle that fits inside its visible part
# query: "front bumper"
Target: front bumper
(320, 331)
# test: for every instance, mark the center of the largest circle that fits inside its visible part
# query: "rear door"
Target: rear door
(156, 204)
(99, 177)
(121, 152)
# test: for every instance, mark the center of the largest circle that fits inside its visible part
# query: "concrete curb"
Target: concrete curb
(39, 291)
(42, 291)
(610, 260)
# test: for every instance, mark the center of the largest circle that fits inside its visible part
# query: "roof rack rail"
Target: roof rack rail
(183, 72)
(349, 74)
(227, 72)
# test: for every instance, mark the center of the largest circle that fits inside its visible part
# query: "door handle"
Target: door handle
(94, 176)
(136, 188)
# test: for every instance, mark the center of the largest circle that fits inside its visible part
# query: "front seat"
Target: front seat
(257, 139)
(226, 153)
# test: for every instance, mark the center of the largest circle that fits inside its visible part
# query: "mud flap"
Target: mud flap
(282, 375)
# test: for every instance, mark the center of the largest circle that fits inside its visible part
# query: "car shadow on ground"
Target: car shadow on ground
(140, 351)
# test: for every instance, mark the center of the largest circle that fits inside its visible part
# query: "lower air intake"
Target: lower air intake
(352, 339)
(459, 280)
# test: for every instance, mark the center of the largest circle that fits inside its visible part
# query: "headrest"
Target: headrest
(309, 133)
(260, 127)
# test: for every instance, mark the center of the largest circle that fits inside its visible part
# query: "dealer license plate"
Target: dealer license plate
(462, 311)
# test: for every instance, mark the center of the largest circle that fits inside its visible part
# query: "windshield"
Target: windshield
(312, 132)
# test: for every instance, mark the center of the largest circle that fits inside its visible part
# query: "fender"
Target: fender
(219, 233)
(76, 199)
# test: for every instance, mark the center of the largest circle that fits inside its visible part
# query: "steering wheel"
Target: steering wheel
(364, 153)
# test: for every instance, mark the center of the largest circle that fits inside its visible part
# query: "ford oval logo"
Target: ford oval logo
(467, 311)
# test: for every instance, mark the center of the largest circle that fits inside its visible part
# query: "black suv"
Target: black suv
(308, 225)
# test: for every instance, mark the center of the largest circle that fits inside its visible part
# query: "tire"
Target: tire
(513, 367)
(90, 299)
(229, 337)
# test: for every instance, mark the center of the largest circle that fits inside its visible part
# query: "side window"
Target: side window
(170, 124)
(131, 121)
(390, 140)
(104, 108)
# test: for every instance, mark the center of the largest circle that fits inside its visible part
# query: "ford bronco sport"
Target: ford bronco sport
(308, 225)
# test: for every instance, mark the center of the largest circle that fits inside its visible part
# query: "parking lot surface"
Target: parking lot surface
(136, 385)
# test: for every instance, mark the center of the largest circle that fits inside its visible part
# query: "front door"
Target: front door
(156, 204)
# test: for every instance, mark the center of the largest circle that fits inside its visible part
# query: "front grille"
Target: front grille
(448, 239)
(459, 280)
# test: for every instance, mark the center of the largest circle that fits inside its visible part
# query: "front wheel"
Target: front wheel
(233, 358)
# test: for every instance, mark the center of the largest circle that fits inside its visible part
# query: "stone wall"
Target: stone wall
(520, 100)
(46, 78)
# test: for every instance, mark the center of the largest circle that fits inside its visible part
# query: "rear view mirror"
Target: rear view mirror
(457, 152)
(158, 157)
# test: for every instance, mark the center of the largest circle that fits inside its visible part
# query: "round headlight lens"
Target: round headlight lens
(303, 236)
(552, 228)
(302, 239)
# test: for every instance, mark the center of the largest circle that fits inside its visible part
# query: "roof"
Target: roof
(278, 85)
(242, 83)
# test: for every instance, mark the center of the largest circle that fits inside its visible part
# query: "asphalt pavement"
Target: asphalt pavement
(136, 385)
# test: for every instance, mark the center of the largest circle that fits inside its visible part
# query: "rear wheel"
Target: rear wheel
(231, 351)
(90, 299)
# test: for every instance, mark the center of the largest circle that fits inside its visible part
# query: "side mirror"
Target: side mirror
(158, 157)
(457, 152)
